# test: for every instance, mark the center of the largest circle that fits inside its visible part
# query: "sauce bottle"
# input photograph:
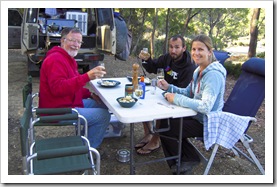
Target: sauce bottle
(142, 83)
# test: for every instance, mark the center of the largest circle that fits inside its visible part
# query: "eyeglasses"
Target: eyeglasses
(74, 40)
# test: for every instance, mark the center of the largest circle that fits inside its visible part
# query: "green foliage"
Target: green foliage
(233, 69)
(261, 55)
(159, 44)
(223, 25)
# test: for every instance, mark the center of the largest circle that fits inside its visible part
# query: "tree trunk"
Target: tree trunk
(141, 31)
(253, 33)
(188, 19)
(152, 43)
(131, 10)
(165, 48)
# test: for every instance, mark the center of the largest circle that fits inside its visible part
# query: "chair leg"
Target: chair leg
(243, 154)
(211, 159)
(255, 160)
(96, 153)
(235, 151)
(201, 156)
(24, 166)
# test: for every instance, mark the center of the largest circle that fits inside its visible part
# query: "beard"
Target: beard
(176, 56)
(72, 53)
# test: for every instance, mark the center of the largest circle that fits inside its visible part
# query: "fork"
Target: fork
(168, 106)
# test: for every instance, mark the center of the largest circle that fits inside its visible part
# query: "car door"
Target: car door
(30, 30)
(106, 31)
(14, 26)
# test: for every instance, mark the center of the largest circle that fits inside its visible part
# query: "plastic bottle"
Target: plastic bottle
(142, 83)
(135, 75)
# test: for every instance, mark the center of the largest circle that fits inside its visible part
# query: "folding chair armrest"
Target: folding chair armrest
(56, 118)
(65, 123)
(253, 119)
(53, 111)
(35, 95)
(62, 152)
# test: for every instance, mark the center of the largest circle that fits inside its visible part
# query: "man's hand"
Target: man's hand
(96, 98)
(144, 55)
(96, 72)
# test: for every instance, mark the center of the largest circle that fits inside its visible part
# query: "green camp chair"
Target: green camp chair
(28, 89)
(59, 155)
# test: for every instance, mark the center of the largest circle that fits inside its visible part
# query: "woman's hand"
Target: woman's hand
(169, 97)
(97, 72)
(162, 84)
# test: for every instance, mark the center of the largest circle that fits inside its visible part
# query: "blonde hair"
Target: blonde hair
(208, 43)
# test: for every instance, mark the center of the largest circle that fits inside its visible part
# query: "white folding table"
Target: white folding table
(153, 107)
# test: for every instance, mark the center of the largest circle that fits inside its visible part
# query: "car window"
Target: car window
(32, 15)
(104, 17)
(14, 18)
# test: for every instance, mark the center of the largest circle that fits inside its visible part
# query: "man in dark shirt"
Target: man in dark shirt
(178, 69)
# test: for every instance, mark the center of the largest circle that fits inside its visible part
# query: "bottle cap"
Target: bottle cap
(141, 78)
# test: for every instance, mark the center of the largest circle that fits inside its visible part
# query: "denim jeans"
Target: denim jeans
(98, 118)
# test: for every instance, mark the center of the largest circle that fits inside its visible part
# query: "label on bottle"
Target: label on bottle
(129, 89)
(143, 88)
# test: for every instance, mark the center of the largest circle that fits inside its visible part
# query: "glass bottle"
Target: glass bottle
(142, 83)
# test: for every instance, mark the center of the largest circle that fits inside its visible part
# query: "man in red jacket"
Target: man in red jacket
(61, 85)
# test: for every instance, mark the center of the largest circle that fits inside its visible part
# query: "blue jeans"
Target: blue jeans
(98, 118)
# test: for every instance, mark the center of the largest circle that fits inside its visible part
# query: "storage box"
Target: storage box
(115, 128)
(81, 18)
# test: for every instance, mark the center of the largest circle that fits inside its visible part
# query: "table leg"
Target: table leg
(180, 146)
(132, 168)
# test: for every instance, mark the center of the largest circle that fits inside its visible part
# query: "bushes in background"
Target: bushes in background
(261, 55)
(234, 63)
(233, 69)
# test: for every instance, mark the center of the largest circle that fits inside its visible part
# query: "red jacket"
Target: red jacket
(61, 85)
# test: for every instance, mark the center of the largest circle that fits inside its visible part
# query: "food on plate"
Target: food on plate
(108, 83)
(127, 99)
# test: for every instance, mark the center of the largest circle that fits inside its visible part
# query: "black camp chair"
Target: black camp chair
(245, 100)
(221, 56)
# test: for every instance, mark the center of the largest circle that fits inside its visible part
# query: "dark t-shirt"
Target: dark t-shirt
(178, 73)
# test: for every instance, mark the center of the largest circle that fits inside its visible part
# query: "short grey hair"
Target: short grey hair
(67, 30)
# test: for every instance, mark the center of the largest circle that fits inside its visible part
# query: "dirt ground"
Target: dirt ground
(225, 163)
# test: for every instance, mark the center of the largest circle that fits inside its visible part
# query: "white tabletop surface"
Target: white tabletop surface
(146, 109)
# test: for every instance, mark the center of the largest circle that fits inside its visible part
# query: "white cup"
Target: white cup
(153, 86)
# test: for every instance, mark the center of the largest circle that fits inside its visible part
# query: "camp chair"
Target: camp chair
(56, 155)
(221, 56)
(113, 130)
(244, 100)
(28, 89)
